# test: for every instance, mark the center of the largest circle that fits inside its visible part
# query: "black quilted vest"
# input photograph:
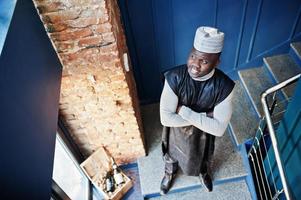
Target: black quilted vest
(200, 96)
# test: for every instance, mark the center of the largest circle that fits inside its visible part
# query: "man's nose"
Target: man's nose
(196, 64)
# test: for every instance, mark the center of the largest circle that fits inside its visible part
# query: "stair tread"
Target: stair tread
(232, 190)
(283, 67)
(256, 81)
(244, 119)
(297, 48)
(227, 164)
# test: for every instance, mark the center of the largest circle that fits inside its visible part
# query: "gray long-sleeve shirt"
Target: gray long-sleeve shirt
(215, 126)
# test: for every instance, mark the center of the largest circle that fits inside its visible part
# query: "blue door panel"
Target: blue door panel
(141, 19)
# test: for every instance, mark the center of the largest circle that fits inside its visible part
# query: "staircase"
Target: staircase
(232, 177)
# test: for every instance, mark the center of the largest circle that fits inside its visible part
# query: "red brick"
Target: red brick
(90, 41)
(82, 22)
(82, 54)
(64, 46)
(103, 28)
(108, 48)
(120, 77)
(64, 36)
(51, 28)
(61, 16)
(122, 92)
(109, 37)
(51, 7)
(107, 58)
(84, 2)
(94, 12)
(103, 18)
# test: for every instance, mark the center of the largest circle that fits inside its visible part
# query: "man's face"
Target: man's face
(199, 64)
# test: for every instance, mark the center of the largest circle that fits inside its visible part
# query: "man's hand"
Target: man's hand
(178, 108)
(210, 114)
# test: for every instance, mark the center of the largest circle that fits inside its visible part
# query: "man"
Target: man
(195, 107)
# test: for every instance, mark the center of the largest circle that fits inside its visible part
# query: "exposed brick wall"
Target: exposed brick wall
(98, 97)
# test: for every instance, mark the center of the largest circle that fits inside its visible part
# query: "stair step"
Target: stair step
(227, 164)
(244, 119)
(232, 190)
(296, 51)
(256, 81)
(297, 47)
(283, 67)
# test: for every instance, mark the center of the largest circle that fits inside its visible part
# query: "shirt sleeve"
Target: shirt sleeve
(216, 125)
(168, 107)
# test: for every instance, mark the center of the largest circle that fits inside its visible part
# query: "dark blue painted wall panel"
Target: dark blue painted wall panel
(274, 26)
(30, 75)
(185, 19)
(230, 25)
(247, 30)
(298, 23)
(162, 33)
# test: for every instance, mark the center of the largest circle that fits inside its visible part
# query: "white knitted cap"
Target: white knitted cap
(208, 40)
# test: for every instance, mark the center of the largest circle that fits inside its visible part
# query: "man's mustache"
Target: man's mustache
(193, 66)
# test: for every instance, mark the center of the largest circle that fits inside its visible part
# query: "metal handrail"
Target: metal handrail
(272, 131)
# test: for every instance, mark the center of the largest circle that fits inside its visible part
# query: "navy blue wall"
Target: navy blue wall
(30, 75)
(160, 34)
